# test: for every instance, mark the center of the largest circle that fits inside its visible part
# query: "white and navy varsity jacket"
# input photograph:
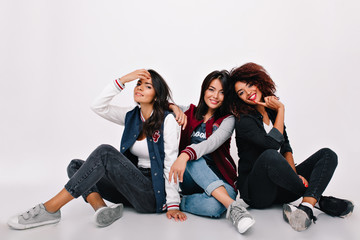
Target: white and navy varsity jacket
(162, 146)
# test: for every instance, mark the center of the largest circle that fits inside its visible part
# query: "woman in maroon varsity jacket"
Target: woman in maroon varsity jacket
(205, 168)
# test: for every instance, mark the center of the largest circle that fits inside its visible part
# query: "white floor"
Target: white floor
(77, 223)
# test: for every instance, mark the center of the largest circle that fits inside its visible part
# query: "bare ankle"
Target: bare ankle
(95, 200)
(310, 200)
(49, 208)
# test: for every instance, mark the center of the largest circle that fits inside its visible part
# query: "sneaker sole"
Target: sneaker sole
(350, 210)
(244, 224)
(297, 219)
(107, 215)
(19, 226)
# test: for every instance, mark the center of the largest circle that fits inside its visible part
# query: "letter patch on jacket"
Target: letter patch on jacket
(215, 126)
(156, 136)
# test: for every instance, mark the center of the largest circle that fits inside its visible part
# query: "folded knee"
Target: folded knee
(73, 166)
(271, 156)
(105, 148)
(331, 156)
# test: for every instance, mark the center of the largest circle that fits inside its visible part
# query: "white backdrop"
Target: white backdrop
(56, 56)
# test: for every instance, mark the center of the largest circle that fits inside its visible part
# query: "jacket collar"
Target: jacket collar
(142, 116)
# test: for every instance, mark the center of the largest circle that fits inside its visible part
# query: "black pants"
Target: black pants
(272, 180)
(109, 173)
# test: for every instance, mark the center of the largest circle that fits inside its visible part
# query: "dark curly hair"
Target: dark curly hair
(249, 73)
(202, 108)
(161, 103)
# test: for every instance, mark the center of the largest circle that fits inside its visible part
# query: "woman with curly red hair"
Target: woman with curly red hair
(266, 168)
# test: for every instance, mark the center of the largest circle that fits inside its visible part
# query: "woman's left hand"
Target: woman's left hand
(180, 116)
(272, 102)
(176, 214)
(178, 168)
(305, 182)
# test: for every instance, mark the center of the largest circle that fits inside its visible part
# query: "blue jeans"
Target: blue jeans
(272, 180)
(199, 182)
(109, 173)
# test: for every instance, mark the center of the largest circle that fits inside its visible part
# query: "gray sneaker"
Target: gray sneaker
(240, 217)
(107, 215)
(35, 217)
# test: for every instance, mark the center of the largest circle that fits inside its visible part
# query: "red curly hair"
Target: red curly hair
(254, 74)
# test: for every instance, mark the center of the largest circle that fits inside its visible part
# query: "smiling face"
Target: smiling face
(248, 93)
(144, 92)
(214, 95)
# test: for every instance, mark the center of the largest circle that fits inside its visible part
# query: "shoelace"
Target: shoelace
(309, 212)
(31, 213)
(237, 213)
(313, 218)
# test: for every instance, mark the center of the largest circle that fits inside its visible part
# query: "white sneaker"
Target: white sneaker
(240, 217)
(35, 217)
(107, 215)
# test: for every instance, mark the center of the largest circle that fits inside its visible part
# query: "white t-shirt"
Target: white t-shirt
(140, 149)
(268, 127)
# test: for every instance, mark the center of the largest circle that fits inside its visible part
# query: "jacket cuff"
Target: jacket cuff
(173, 206)
(276, 134)
(190, 152)
(285, 148)
(118, 84)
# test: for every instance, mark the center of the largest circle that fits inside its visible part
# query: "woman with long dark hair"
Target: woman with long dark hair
(137, 174)
(267, 173)
(205, 168)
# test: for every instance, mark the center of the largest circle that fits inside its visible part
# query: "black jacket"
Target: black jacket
(252, 140)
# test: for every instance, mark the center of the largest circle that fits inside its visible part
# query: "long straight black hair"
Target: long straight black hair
(161, 103)
(202, 107)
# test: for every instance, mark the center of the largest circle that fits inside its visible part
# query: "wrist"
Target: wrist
(191, 154)
(122, 80)
(171, 106)
(185, 156)
(282, 107)
(119, 84)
